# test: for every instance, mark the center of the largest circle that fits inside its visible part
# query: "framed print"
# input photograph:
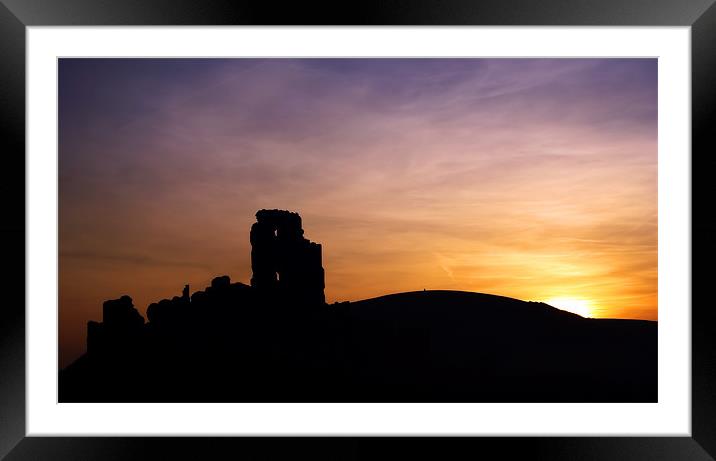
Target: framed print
(237, 228)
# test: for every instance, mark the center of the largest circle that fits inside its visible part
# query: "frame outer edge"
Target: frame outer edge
(12, 124)
(458, 448)
(12, 230)
(703, 101)
(367, 12)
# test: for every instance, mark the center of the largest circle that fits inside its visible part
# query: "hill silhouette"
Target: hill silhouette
(276, 340)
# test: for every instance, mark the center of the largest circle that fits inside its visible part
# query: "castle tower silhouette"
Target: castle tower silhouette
(284, 263)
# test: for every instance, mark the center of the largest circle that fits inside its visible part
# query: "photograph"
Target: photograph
(234, 229)
(358, 229)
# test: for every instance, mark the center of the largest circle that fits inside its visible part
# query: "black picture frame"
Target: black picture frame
(16, 15)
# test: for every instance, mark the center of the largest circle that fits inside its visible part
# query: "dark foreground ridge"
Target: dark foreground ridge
(277, 341)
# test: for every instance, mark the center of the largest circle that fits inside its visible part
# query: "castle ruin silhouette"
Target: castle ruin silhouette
(287, 268)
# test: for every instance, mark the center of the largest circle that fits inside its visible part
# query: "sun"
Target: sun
(577, 306)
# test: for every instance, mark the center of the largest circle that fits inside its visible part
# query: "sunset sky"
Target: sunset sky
(529, 178)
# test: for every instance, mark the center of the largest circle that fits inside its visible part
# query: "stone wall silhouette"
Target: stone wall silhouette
(120, 331)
